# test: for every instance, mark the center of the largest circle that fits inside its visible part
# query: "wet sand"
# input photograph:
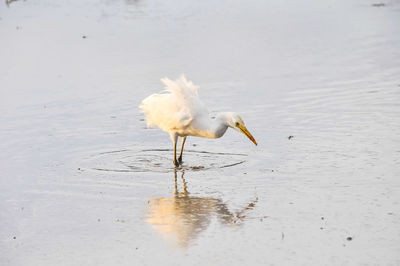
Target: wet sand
(84, 182)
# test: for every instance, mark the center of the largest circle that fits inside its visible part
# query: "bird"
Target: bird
(179, 111)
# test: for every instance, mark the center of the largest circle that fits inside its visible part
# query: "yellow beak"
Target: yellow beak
(244, 130)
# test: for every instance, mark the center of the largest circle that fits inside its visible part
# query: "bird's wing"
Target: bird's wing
(176, 108)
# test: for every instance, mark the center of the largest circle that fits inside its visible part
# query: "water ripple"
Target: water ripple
(159, 160)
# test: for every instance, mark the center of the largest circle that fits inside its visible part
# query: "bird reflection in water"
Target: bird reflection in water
(184, 217)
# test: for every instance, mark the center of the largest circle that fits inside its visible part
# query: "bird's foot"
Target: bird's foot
(176, 163)
(180, 160)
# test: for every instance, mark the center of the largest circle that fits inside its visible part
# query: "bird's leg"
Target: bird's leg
(180, 155)
(174, 140)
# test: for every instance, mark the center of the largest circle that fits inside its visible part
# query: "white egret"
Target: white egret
(180, 112)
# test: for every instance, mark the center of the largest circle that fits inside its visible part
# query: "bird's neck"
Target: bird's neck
(218, 129)
(217, 126)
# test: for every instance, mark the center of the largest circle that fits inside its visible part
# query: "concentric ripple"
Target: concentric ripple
(159, 160)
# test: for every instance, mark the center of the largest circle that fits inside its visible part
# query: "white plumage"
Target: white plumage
(179, 111)
(175, 108)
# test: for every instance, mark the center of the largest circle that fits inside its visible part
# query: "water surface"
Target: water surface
(84, 182)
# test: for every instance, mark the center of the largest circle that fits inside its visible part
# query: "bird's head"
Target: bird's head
(236, 122)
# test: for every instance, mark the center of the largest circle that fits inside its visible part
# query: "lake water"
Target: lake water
(84, 182)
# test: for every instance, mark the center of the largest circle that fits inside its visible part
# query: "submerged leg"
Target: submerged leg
(180, 156)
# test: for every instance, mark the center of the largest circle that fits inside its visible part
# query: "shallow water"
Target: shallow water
(83, 181)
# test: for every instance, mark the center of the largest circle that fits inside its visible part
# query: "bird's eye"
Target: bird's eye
(237, 124)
